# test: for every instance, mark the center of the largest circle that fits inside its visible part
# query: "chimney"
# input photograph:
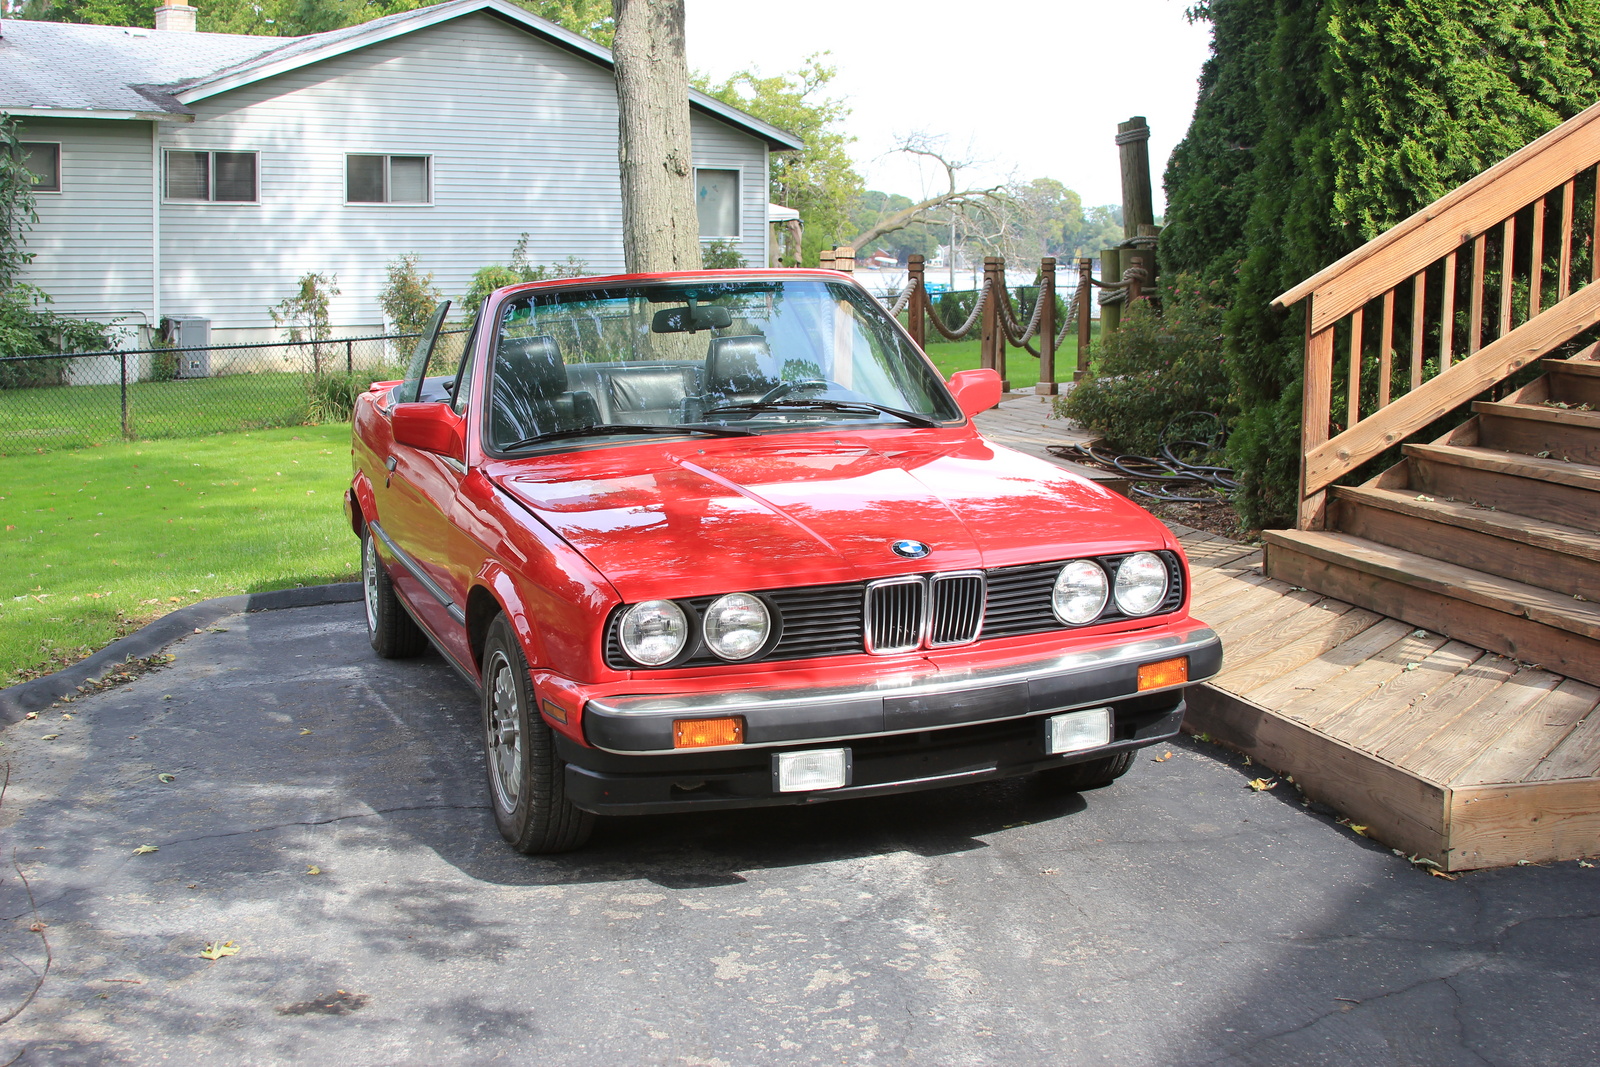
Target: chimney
(176, 17)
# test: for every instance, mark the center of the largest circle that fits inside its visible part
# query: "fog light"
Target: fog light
(1078, 730)
(1167, 672)
(704, 733)
(816, 768)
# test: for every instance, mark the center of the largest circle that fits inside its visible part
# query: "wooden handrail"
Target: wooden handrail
(1451, 221)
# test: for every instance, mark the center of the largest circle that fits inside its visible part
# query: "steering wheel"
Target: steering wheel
(783, 389)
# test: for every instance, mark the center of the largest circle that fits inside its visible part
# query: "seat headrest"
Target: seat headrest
(533, 364)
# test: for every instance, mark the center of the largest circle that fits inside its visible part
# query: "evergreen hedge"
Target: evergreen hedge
(1320, 124)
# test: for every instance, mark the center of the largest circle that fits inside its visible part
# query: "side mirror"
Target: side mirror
(975, 390)
(431, 427)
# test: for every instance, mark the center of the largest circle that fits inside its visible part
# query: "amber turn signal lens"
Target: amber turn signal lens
(703, 733)
(1167, 672)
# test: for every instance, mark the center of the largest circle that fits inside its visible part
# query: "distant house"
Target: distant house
(198, 174)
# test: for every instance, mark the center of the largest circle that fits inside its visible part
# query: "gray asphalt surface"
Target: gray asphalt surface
(1173, 918)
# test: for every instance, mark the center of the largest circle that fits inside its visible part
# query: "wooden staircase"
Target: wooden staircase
(1491, 533)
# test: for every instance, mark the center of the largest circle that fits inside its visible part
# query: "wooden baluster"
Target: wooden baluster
(1564, 273)
(1316, 402)
(1046, 385)
(1594, 237)
(1508, 257)
(1419, 295)
(1085, 308)
(916, 316)
(1475, 333)
(1447, 317)
(1386, 349)
(1358, 321)
(1536, 270)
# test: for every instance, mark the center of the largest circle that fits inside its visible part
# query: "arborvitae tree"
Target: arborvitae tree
(1322, 123)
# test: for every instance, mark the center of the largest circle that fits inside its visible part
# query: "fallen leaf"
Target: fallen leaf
(145, 849)
(1357, 828)
(1585, 863)
(304, 732)
(313, 869)
(215, 950)
(167, 777)
(1446, 875)
(50, 737)
(31, 715)
(1161, 758)
(1260, 784)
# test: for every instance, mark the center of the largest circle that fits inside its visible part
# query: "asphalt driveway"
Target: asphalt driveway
(325, 814)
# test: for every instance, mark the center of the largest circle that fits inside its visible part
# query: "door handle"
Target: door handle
(389, 465)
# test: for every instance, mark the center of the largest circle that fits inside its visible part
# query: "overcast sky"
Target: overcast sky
(1032, 88)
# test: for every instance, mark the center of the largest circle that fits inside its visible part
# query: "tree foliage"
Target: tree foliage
(1322, 123)
(292, 18)
(819, 181)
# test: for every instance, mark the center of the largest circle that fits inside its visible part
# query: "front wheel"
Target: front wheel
(1091, 774)
(527, 782)
(391, 629)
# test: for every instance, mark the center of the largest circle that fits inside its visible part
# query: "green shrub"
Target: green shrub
(1156, 369)
(486, 280)
(410, 297)
(331, 397)
(722, 255)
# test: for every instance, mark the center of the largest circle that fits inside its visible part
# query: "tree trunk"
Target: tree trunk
(660, 228)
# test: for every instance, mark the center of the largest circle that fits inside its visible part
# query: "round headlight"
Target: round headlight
(653, 632)
(1141, 583)
(736, 626)
(1080, 592)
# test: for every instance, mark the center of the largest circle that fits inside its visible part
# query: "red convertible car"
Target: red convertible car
(726, 539)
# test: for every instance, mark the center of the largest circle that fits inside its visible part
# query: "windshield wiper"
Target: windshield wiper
(861, 406)
(624, 428)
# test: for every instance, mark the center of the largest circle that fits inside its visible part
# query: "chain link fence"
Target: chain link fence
(71, 400)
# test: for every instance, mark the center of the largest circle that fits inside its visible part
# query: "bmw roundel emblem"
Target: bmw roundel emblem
(910, 549)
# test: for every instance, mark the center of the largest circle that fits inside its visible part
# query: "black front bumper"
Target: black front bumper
(609, 783)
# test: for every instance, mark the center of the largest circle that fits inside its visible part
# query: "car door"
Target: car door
(417, 501)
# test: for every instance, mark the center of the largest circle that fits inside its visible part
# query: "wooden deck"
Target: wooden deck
(1464, 757)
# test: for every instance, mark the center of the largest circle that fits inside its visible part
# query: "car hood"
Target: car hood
(687, 520)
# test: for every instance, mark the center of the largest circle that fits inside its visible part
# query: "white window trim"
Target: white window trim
(61, 177)
(387, 156)
(211, 164)
(738, 203)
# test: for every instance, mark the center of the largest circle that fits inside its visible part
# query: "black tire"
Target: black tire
(527, 780)
(1091, 774)
(391, 629)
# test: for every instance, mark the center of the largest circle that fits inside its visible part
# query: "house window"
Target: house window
(43, 160)
(375, 179)
(716, 197)
(219, 177)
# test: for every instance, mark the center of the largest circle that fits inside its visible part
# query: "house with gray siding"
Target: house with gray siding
(197, 174)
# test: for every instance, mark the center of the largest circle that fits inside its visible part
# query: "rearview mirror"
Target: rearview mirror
(691, 319)
(975, 390)
(429, 427)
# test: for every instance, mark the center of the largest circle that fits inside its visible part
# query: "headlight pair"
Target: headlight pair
(1082, 588)
(734, 627)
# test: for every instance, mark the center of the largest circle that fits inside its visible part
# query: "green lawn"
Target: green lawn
(72, 416)
(1021, 368)
(101, 540)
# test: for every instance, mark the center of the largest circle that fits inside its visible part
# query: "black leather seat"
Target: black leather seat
(740, 368)
(530, 394)
(660, 396)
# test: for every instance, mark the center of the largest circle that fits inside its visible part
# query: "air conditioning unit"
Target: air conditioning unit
(192, 337)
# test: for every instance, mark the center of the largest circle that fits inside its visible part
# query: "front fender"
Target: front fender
(360, 504)
(494, 580)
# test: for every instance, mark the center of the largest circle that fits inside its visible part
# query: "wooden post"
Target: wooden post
(825, 259)
(1085, 307)
(916, 305)
(1047, 328)
(1110, 272)
(993, 346)
(1316, 402)
(844, 258)
(1133, 145)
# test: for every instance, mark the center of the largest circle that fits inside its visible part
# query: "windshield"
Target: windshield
(760, 355)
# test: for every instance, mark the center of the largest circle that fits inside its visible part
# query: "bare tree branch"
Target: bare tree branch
(966, 201)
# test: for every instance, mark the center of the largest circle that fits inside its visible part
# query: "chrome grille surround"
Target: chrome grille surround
(956, 608)
(897, 614)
